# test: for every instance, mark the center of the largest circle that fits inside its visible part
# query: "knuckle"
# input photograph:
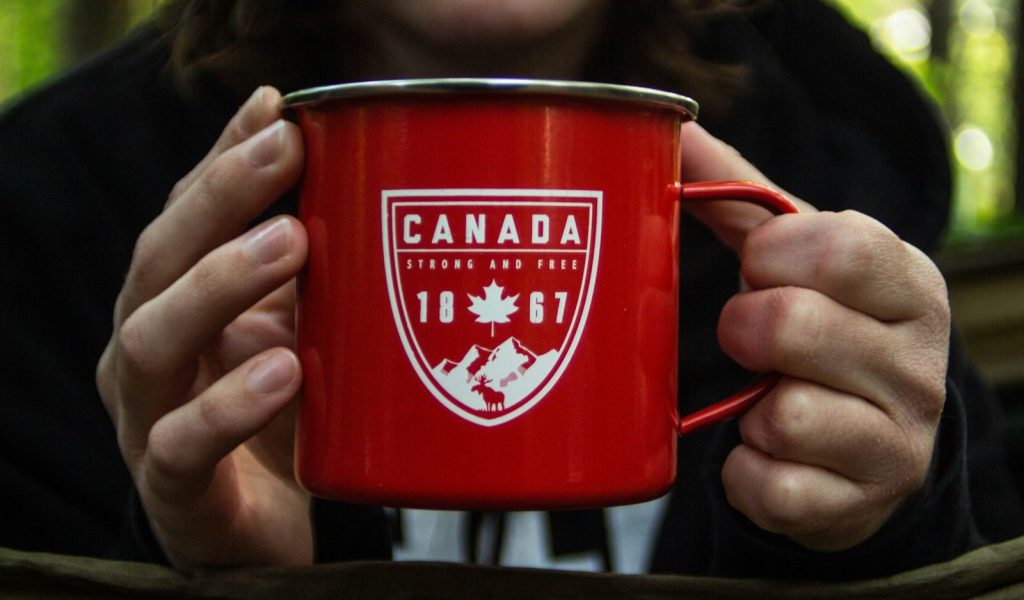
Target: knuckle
(204, 279)
(929, 384)
(934, 400)
(792, 325)
(207, 189)
(132, 452)
(105, 382)
(122, 308)
(858, 245)
(785, 421)
(133, 348)
(928, 288)
(239, 129)
(943, 312)
(922, 383)
(145, 254)
(911, 460)
(784, 501)
(222, 175)
(163, 461)
(937, 313)
(930, 403)
(214, 416)
(932, 280)
(179, 189)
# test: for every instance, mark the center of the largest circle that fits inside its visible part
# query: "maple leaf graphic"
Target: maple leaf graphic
(492, 308)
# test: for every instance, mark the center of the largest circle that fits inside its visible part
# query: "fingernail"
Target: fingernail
(256, 97)
(250, 115)
(268, 243)
(264, 147)
(271, 374)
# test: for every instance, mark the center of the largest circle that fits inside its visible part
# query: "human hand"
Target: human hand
(857, 323)
(199, 373)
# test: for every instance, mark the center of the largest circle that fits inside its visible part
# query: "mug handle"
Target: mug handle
(777, 203)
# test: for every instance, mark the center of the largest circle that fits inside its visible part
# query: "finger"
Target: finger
(186, 445)
(268, 323)
(810, 424)
(159, 343)
(815, 507)
(851, 258)
(280, 303)
(805, 334)
(274, 448)
(238, 185)
(706, 158)
(259, 110)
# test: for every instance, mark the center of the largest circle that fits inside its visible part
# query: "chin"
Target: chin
(490, 22)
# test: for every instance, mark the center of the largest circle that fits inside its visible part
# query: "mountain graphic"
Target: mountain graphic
(510, 372)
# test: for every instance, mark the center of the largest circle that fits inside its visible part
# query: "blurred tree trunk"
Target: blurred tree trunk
(941, 19)
(1018, 100)
(940, 15)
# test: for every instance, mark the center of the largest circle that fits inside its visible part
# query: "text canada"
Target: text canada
(479, 229)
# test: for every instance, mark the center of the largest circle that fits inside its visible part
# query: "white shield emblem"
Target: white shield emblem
(490, 290)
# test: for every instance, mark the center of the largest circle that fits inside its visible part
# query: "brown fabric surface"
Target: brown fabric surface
(991, 572)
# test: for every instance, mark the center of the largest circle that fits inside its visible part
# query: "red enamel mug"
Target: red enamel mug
(488, 316)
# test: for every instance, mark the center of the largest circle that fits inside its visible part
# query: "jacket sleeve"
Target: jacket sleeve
(64, 482)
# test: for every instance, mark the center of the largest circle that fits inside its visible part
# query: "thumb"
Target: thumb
(706, 158)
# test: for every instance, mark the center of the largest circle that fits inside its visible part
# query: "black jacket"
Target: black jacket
(88, 161)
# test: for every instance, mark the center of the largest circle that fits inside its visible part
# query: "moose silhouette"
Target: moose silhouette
(493, 399)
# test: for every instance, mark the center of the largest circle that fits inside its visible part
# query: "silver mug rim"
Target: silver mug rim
(440, 86)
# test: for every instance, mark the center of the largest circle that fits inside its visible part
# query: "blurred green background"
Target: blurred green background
(41, 38)
(963, 52)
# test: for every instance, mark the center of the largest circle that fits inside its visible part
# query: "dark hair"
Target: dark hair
(235, 45)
